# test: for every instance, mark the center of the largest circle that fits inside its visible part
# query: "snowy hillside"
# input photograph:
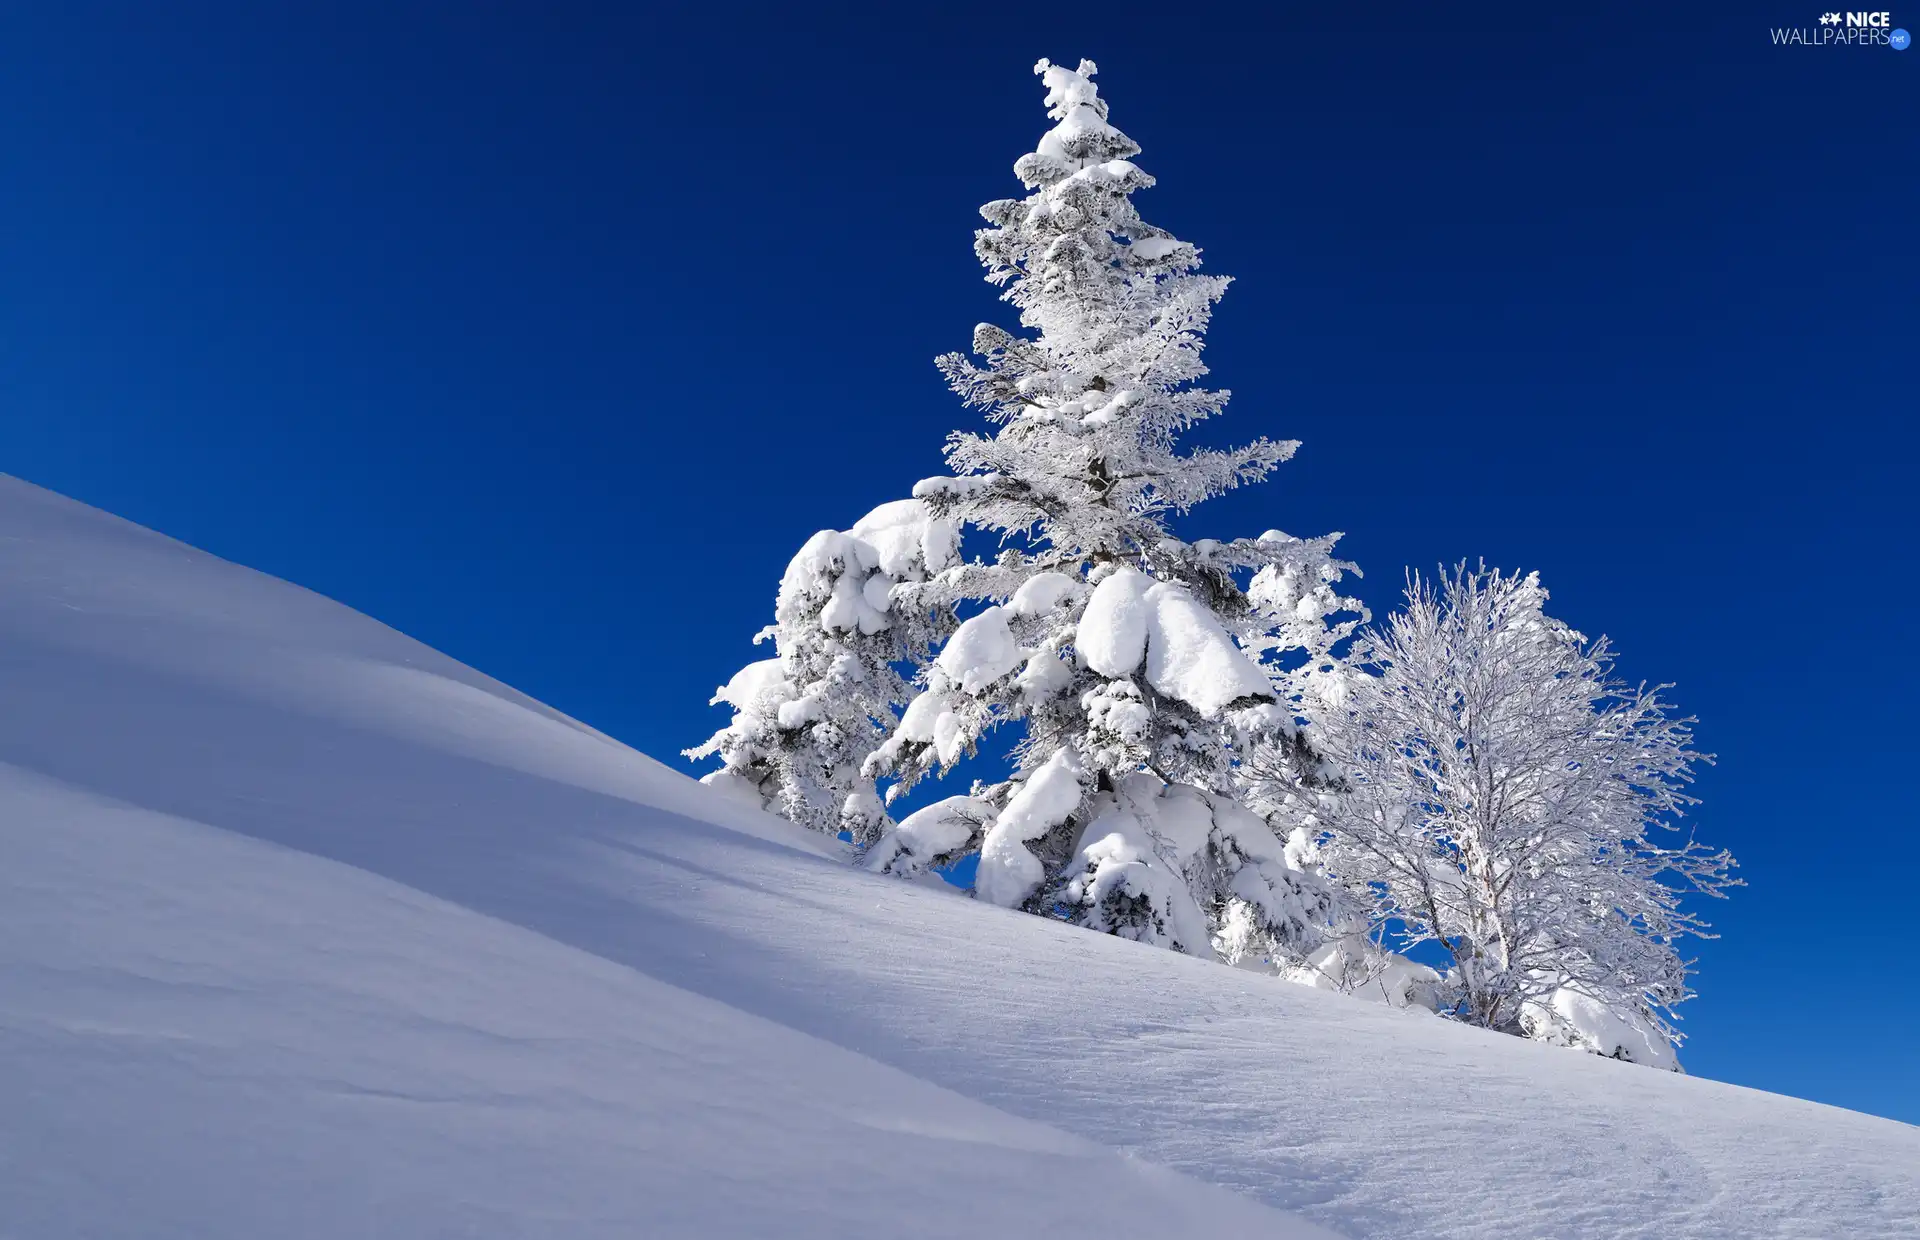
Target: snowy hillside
(306, 930)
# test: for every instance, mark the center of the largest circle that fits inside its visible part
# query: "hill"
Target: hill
(308, 930)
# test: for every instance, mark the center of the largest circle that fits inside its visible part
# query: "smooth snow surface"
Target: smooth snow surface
(306, 930)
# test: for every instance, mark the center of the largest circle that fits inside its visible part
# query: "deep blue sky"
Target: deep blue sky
(545, 333)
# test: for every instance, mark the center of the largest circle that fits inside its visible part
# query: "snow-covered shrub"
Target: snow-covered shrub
(1498, 791)
(805, 720)
(1354, 964)
(1570, 1017)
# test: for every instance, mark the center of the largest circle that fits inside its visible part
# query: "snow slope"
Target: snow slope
(306, 930)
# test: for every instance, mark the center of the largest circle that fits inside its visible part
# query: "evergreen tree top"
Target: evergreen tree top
(1082, 137)
(1089, 405)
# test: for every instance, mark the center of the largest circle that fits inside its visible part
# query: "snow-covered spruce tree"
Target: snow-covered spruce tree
(805, 720)
(1500, 790)
(1139, 666)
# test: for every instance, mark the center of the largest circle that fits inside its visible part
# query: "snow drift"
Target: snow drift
(307, 930)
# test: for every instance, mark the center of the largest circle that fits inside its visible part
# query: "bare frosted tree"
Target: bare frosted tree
(1500, 794)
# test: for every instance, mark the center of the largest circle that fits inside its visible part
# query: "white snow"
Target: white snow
(1041, 593)
(752, 683)
(1008, 873)
(943, 825)
(1154, 248)
(308, 931)
(841, 565)
(1071, 101)
(920, 838)
(981, 651)
(1112, 637)
(908, 540)
(1579, 1020)
(929, 717)
(1119, 859)
(856, 569)
(1188, 656)
(1382, 977)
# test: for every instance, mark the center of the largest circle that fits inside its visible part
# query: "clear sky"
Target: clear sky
(546, 333)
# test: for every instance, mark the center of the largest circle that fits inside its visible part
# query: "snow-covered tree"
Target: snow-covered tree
(805, 720)
(1500, 794)
(1139, 667)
